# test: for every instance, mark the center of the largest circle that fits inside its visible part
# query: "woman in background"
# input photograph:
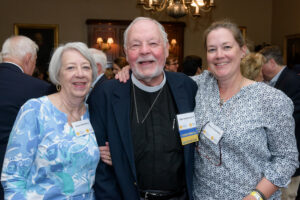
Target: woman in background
(52, 151)
(251, 66)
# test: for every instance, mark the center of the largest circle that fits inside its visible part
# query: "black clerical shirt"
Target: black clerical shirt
(157, 147)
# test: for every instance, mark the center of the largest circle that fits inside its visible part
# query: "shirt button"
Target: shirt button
(134, 183)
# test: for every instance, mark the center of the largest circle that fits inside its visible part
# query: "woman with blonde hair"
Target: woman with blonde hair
(251, 66)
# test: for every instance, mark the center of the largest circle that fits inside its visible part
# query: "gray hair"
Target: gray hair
(274, 52)
(160, 27)
(18, 46)
(56, 63)
(99, 57)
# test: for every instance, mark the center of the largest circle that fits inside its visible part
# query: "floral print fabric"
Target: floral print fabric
(45, 159)
(258, 140)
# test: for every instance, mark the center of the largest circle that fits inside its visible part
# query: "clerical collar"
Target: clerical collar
(146, 88)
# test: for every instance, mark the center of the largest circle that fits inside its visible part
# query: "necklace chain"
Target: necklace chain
(222, 100)
(135, 104)
(69, 113)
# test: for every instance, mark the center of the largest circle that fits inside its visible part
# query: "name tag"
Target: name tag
(213, 132)
(187, 128)
(82, 127)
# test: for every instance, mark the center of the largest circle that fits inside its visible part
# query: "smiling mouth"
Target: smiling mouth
(221, 64)
(80, 84)
(146, 62)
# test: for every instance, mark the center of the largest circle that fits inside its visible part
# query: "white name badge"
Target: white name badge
(213, 132)
(82, 127)
(187, 128)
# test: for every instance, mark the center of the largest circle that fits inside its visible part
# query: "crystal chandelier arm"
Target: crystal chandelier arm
(162, 6)
(148, 7)
(183, 1)
(205, 9)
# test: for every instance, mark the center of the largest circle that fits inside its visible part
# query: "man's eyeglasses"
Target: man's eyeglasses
(175, 63)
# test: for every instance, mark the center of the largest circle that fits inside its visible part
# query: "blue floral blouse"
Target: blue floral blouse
(258, 140)
(45, 159)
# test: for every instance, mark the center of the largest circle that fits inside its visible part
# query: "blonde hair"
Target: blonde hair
(251, 65)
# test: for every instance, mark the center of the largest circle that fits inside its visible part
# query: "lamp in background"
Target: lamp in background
(178, 8)
(173, 42)
(105, 46)
(172, 47)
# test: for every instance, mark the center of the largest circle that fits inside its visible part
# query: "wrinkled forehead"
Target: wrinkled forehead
(144, 29)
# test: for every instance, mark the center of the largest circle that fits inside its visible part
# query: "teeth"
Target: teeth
(79, 83)
(220, 64)
(146, 61)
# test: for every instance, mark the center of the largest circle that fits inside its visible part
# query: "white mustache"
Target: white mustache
(144, 59)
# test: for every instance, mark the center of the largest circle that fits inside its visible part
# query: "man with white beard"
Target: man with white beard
(138, 119)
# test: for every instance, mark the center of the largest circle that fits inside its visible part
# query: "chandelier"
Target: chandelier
(178, 8)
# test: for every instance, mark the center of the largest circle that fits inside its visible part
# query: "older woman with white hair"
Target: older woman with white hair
(52, 151)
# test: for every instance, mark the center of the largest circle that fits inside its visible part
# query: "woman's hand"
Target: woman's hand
(265, 187)
(123, 75)
(105, 154)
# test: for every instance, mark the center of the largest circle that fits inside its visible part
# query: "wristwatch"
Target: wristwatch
(256, 195)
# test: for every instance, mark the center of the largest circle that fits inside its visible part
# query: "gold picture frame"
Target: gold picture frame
(291, 49)
(243, 30)
(45, 36)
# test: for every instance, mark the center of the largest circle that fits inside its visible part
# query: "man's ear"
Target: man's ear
(27, 58)
(27, 65)
(167, 49)
(272, 63)
(26, 62)
(99, 67)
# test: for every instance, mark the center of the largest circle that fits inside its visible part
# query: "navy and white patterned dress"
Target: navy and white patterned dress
(45, 159)
(258, 140)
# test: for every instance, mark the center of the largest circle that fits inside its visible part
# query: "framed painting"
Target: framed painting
(291, 50)
(45, 36)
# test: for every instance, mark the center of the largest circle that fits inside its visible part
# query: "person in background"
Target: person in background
(192, 65)
(172, 63)
(109, 74)
(17, 84)
(277, 75)
(57, 153)
(101, 62)
(138, 119)
(118, 64)
(251, 66)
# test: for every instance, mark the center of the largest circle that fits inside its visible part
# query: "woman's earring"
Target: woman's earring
(58, 88)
